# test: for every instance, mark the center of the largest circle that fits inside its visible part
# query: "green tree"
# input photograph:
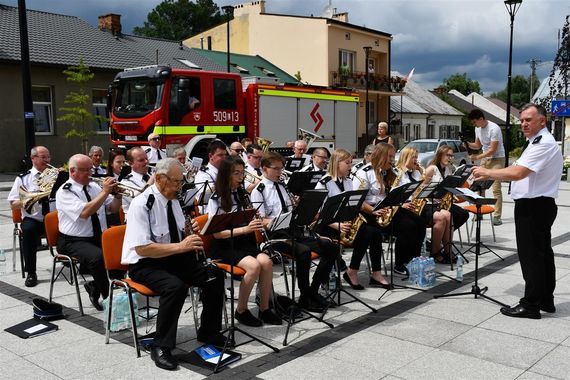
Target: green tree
(461, 83)
(520, 90)
(559, 79)
(78, 112)
(179, 19)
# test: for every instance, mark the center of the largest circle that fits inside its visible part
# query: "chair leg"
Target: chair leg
(492, 227)
(460, 237)
(133, 321)
(22, 265)
(110, 314)
(52, 280)
(195, 299)
(74, 278)
(14, 235)
(368, 264)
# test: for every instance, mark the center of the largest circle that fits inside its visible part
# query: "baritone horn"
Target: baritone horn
(308, 137)
(263, 143)
(44, 182)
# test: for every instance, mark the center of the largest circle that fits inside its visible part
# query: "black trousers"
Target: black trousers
(90, 256)
(32, 230)
(533, 221)
(410, 231)
(301, 251)
(369, 235)
(171, 277)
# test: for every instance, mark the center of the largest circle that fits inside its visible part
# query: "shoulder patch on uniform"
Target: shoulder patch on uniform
(359, 165)
(367, 168)
(215, 196)
(147, 150)
(128, 176)
(150, 201)
(261, 187)
(325, 179)
(204, 168)
(22, 175)
(67, 186)
(537, 139)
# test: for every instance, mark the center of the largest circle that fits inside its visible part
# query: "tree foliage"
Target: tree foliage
(179, 19)
(520, 90)
(78, 112)
(461, 83)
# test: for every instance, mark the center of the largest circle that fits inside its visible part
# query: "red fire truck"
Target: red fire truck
(190, 107)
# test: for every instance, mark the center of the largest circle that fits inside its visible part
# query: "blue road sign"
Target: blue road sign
(560, 107)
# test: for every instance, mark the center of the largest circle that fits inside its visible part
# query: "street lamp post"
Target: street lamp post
(228, 9)
(512, 7)
(367, 106)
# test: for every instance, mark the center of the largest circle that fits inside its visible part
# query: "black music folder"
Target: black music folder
(31, 328)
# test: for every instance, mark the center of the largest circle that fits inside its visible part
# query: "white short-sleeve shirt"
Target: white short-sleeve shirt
(492, 132)
(28, 181)
(544, 158)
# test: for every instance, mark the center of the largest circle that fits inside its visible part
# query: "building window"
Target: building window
(406, 132)
(371, 113)
(43, 110)
(99, 98)
(430, 133)
(371, 66)
(417, 132)
(225, 94)
(346, 62)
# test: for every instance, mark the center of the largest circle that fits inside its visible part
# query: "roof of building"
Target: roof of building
(57, 39)
(461, 103)
(485, 104)
(248, 65)
(415, 99)
(514, 111)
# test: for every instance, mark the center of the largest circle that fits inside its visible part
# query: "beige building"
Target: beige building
(324, 51)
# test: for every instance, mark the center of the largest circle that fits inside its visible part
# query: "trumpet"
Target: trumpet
(44, 182)
(125, 190)
(251, 177)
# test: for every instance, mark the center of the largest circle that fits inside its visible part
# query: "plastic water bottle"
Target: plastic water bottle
(459, 267)
(430, 272)
(332, 280)
(424, 251)
(2, 262)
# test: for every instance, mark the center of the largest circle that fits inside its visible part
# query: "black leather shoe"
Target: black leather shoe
(309, 304)
(549, 308)
(163, 358)
(346, 278)
(373, 282)
(31, 280)
(269, 317)
(93, 295)
(248, 319)
(217, 339)
(520, 312)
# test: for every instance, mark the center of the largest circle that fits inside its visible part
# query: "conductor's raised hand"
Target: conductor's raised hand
(479, 173)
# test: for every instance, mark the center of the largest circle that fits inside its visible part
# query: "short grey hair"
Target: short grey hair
(369, 149)
(94, 149)
(540, 109)
(73, 160)
(177, 151)
(163, 166)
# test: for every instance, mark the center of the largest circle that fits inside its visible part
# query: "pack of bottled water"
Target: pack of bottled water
(422, 271)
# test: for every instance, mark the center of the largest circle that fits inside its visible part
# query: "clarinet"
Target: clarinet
(201, 256)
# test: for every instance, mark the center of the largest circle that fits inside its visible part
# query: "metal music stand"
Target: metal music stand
(396, 197)
(293, 164)
(218, 223)
(337, 209)
(478, 201)
(303, 215)
(301, 181)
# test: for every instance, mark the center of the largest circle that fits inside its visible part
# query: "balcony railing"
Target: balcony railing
(357, 80)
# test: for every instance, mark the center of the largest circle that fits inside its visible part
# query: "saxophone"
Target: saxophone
(386, 219)
(418, 204)
(348, 238)
(448, 199)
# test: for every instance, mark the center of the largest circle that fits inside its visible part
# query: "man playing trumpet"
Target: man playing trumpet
(33, 221)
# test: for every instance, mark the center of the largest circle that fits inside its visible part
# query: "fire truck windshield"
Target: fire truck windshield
(138, 97)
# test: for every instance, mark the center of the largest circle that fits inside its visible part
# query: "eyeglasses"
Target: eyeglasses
(238, 150)
(323, 157)
(84, 170)
(278, 168)
(239, 174)
(155, 139)
(449, 155)
(256, 157)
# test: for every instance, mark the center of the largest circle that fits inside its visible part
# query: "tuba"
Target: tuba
(263, 143)
(44, 182)
(308, 137)
(348, 238)
(386, 219)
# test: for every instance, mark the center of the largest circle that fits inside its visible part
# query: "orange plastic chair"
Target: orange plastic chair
(485, 210)
(51, 223)
(112, 245)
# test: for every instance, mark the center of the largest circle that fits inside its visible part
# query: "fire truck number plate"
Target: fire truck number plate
(223, 116)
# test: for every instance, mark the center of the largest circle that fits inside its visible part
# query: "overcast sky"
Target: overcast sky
(437, 37)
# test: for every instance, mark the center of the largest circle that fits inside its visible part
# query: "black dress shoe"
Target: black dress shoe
(31, 280)
(163, 358)
(346, 278)
(309, 304)
(217, 339)
(248, 319)
(549, 308)
(269, 317)
(373, 282)
(93, 295)
(520, 312)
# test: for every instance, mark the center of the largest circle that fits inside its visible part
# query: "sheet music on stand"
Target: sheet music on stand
(398, 195)
(481, 185)
(463, 170)
(309, 205)
(301, 181)
(342, 207)
(293, 164)
(471, 196)
(229, 221)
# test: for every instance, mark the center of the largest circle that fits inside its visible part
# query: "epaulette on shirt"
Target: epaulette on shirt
(215, 196)
(367, 168)
(325, 179)
(204, 168)
(537, 139)
(359, 165)
(261, 187)
(128, 176)
(67, 186)
(147, 150)
(22, 175)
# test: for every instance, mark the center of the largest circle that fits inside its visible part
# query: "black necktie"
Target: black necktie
(236, 200)
(281, 199)
(411, 177)
(45, 206)
(172, 226)
(146, 177)
(340, 184)
(258, 171)
(158, 154)
(94, 218)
